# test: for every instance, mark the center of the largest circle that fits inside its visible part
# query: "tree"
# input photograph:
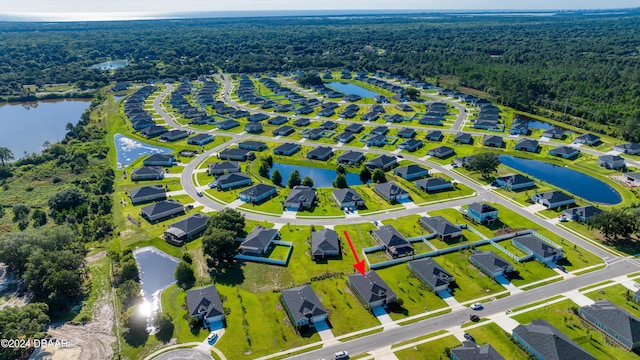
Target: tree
(341, 169)
(615, 224)
(67, 199)
(135, 324)
(276, 177)
(28, 321)
(129, 293)
(294, 179)
(184, 275)
(220, 245)
(307, 181)
(164, 323)
(412, 93)
(20, 213)
(378, 176)
(39, 218)
(228, 219)
(5, 155)
(309, 79)
(263, 169)
(340, 181)
(129, 269)
(365, 175)
(485, 163)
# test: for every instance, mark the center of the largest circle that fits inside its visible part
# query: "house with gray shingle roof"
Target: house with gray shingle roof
(541, 250)
(257, 193)
(553, 199)
(587, 139)
(300, 198)
(324, 243)
(628, 148)
(287, 149)
(615, 322)
(159, 160)
(613, 162)
(490, 263)
(348, 198)
(411, 172)
(515, 182)
(320, 153)
(581, 213)
(493, 141)
(147, 193)
(303, 306)
(351, 158)
(431, 273)
(395, 244)
(147, 173)
(472, 351)
(441, 152)
(545, 342)
(370, 289)
(230, 181)
(565, 152)
(223, 167)
(441, 226)
(527, 145)
(205, 304)
(406, 133)
(186, 229)
(391, 192)
(236, 154)
(161, 210)
(433, 184)
(258, 241)
(383, 162)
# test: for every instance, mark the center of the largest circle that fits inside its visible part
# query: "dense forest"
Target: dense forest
(583, 66)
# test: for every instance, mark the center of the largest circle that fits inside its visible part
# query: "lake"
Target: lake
(128, 150)
(535, 124)
(156, 274)
(575, 182)
(349, 88)
(26, 126)
(110, 65)
(321, 177)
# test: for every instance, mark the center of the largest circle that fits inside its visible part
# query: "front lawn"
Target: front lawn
(359, 235)
(435, 349)
(408, 226)
(501, 341)
(470, 283)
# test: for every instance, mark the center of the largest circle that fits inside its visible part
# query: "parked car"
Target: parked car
(474, 317)
(200, 193)
(477, 306)
(212, 337)
(469, 337)
(341, 355)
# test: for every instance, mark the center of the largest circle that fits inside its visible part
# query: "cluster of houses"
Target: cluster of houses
(195, 115)
(134, 109)
(435, 114)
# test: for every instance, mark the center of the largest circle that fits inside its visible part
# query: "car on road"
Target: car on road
(400, 156)
(200, 193)
(376, 223)
(469, 337)
(477, 306)
(474, 317)
(212, 337)
(341, 355)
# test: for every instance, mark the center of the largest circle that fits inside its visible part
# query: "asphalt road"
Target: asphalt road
(183, 354)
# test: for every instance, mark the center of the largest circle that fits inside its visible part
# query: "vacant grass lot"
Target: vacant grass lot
(435, 349)
(500, 340)
(359, 234)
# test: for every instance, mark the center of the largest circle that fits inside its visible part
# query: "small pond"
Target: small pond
(349, 88)
(535, 124)
(128, 150)
(110, 65)
(156, 273)
(321, 177)
(575, 182)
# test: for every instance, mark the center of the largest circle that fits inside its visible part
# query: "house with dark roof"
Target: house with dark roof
(253, 128)
(383, 162)
(300, 198)
(278, 120)
(376, 140)
(344, 137)
(159, 160)
(587, 139)
(441, 226)
(404, 107)
(493, 141)
(328, 125)
(441, 152)
(231, 181)
(463, 138)
(348, 198)
(541, 250)
(252, 145)
(430, 120)
(527, 145)
(258, 241)
(613, 162)
(200, 139)
(490, 263)
(482, 213)
(354, 128)
(227, 124)
(324, 243)
(406, 133)
(204, 303)
(395, 118)
(142, 124)
(314, 134)
(302, 122)
(391, 192)
(394, 243)
(582, 213)
(287, 149)
(545, 342)
(411, 145)
(223, 167)
(147, 173)
(257, 193)
(147, 193)
(614, 322)
(472, 351)
(431, 273)
(236, 154)
(303, 306)
(285, 130)
(435, 135)
(565, 152)
(174, 135)
(515, 182)
(554, 133)
(321, 153)
(161, 210)
(351, 158)
(553, 199)
(379, 130)
(153, 131)
(519, 128)
(186, 229)
(370, 289)
(433, 184)
(370, 116)
(411, 172)
(631, 178)
(628, 148)
(381, 99)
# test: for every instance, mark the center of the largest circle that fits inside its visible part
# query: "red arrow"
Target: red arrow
(359, 265)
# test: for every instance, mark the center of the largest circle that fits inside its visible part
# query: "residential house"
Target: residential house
(147, 173)
(430, 120)
(301, 198)
(253, 128)
(147, 193)
(527, 145)
(303, 306)
(472, 351)
(493, 141)
(370, 289)
(354, 128)
(411, 145)
(395, 118)
(515, 182)
(161, 210)
(490, 263)
(463, 138)
(186, 229)
(257, 193)
(394, 243)
(404, 107)
(379, 130)
(554, 133)
(411, 172)
(230, 181)
(159, 160)
(324, 243)
(615, 322)
(628, 148)
(227, 124)
(252, 145)
(383, 162)
(278, 120)
(441, 226)
(204, 303)
(519, 128)
(406, 133)
(631, 178)
(223, 167)
(541, 250)
(174, 135)
(613, 162)
(236, 154)
(435, 135)
(321, 153)
(553, 199)
(381, 99)
(348, 198)
(376, 140)
(565, 152)
(302, 122)
(200, 139)
(258, 241)
(545, 342)
(284, 131)
(587, 139)
(370, 116)
(351, 158)
(441, 152)
(328, 125)
(433, 184)
(431, 273)
(287, 149)
(482, 213)
(153, 131)
(391, 192)
(582, 213)
(344, 137)
(314, 134)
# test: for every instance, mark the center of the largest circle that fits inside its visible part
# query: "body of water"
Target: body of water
(535, 124)
(128, 150)
(321, 177)
(26, 126)
(156, 274)
(349, 88)
(574, 182)
(110, 65)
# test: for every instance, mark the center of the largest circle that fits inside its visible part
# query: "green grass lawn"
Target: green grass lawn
(278, 252)
(619, 295)
(373, 201)
(561, 316)
(524, 272)
(500, 340)
(326, 205)
(435, 349)
(470, 282)
(359, 235)
(408, 226)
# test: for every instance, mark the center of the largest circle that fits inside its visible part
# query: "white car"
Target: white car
(341, 355)
(476, 306)
(212, 337)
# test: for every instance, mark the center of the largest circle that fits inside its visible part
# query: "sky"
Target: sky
(125, 8)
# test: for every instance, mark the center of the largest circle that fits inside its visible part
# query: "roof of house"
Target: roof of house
(493, 139)
(435, 181)
(434, 134)
(161, 207)
(550, 342)
(350, 156)
(472, 351)
(146, 191)
(324, 240)
(584, 211)
(554, 196)
(490, 260)
(431, 271)
(390, 236)
(565, 150)
(354, 127)
(536, 245)
(462, 136)
(554, 131)
(381, 161)
(158, 157)
(148, 170)
(201, 137)
(635, 176)
(629, 146)
(390, 189)
(515, 179)
(287, 147)
(370, 286)
(320, 151)
(440, 225)
(411, 143)
(232, 178)
(302, 303)
(235, 152)
(190, 223)
(588, 137)
(250, 143)
(257, 190)
(346, 195)
(527, 143)
(406, 132)
(482, 208)
(441, 150)
(205, 300)
(410, 170)
(259, 237)
(615, 318)
(610, 158)
(301, 194)
(224, 165)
